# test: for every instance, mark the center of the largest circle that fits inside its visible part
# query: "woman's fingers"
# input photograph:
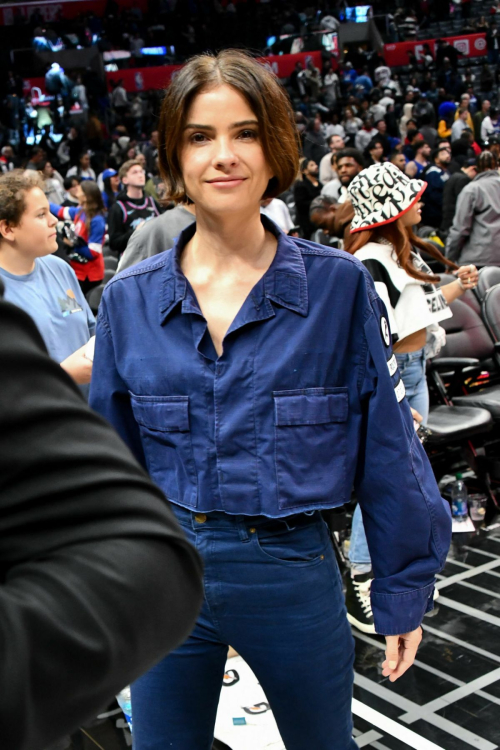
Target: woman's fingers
(469, 271)
(468, 275)
(391, 655)
(400, 653)
(416, 415)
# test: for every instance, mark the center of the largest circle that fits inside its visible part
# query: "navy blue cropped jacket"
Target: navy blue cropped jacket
(304, 403)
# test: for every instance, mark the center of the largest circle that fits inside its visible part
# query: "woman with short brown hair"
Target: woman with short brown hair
(247, 372)
(266, 98)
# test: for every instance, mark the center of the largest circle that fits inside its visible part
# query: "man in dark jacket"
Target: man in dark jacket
(304, 191)
(98, 581)
(452, 189)
(436, 175)
(448, 78)
(478, 119)
(314, 142)
(151, 152)
(445, 50)
(423, 112)
(493, 43)
(428, 131)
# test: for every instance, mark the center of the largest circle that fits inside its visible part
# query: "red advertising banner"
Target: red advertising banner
(142, 79)
(159, 77)
(51, 10)
(284, 65)
(470, 45)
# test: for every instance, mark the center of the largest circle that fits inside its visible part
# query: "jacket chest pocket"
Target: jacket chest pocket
(311, 444)
(165, 433)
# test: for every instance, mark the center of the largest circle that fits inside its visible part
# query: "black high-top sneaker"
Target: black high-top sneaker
(357, 599)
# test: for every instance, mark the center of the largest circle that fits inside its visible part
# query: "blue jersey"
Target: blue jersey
(304, 403)
(51, 295)
(90, 241)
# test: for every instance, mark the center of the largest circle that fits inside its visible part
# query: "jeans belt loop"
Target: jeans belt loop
(243, 531)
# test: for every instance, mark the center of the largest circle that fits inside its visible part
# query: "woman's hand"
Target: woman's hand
(400, 653)
(417, 418)
(78, 366)
(469, 276)
(416, 415)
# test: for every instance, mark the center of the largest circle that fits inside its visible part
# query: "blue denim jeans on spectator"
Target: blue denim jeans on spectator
(412, 371)
(273, 592)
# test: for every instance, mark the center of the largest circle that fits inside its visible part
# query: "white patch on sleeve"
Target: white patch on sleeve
(400, 391)
(95, 246)
(384, 330)
(392, 365)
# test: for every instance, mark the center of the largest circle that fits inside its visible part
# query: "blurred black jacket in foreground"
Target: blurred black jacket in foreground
(97, 581)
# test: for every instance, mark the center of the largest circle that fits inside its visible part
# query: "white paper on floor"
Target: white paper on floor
(244, 719)
(461, 526)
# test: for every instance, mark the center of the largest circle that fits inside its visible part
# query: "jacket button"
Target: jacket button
(252, 530)
(200, 518)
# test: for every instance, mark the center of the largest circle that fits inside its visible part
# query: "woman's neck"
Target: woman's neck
(12, 261)
(220, 243)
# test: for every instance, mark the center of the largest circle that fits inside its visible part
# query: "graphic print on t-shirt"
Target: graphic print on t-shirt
(68, 304)
(135, 214)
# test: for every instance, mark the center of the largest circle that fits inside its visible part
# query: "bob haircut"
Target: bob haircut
(266, 98)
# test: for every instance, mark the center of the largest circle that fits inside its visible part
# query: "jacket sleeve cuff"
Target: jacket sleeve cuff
(395, 614)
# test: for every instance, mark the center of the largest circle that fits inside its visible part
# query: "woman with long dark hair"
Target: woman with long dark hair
(247, 370)
(83, 169)
(384, 206)
(89, 227)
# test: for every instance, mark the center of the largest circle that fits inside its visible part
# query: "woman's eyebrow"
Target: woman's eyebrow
(194, 126)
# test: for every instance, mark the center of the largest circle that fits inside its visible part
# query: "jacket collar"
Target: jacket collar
(284, 283)
(489, 173)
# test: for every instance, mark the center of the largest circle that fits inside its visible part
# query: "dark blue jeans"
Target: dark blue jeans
(273, 592)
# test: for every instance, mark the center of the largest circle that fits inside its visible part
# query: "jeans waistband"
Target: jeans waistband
(410, 356)
(221, 520)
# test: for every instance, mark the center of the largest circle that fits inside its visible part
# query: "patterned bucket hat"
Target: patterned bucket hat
(381, 194)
